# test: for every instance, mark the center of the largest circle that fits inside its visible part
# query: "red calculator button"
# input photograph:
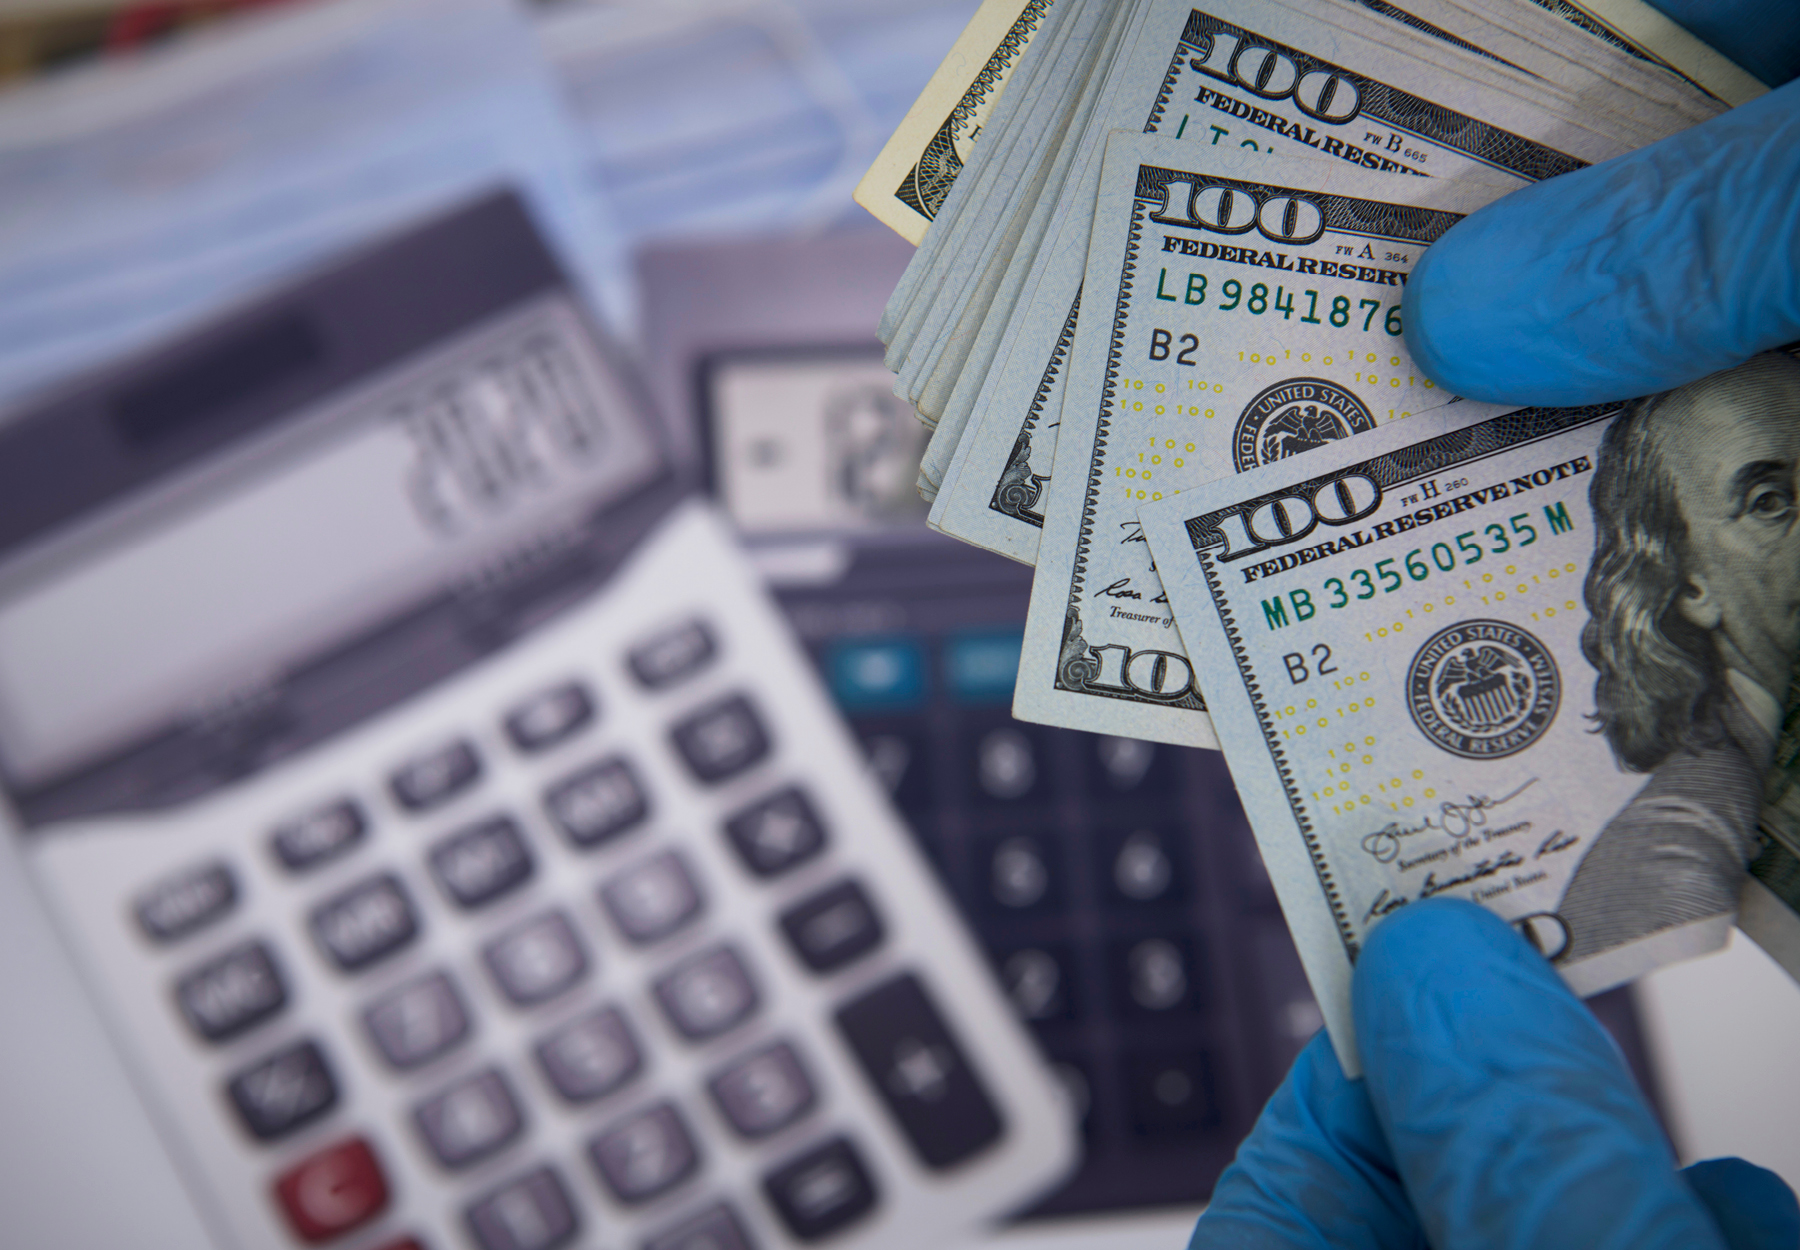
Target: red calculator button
(332, 1191)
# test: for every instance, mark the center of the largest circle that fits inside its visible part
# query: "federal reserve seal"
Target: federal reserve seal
(1483, 689)
(1295, 416)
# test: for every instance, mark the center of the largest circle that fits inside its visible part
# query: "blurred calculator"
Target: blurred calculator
(463, 852)
(1114, 883)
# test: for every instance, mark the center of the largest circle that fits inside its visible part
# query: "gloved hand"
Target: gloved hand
(1495, 1113)
(1643, 272)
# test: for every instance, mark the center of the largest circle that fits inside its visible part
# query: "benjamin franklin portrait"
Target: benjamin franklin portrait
(1694, 620)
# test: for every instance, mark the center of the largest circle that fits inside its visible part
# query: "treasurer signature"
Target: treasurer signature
(1458, 820)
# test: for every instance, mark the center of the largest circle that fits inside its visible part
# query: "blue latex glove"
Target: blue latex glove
(1495, 1113)
(1641, 273)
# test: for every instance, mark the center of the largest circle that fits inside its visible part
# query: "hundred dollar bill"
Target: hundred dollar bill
(915, 170)
(1770, 907)
(1241, 308)
(1535, 662)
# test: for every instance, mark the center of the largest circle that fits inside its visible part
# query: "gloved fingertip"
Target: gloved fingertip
(1753, 1206)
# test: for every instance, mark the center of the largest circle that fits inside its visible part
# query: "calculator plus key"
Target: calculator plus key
(647, 1154)
(418, 1022)
(823, 1190)
(187, 902)
(479, 864)
(470, 1120)
(834, 927)
(716, 1228)
(232, 993)
(531, 1212)
(366, 923)
(550, 717)
(777, 833)
(663, 661)
(320, 835)
(707, 994)
(591, 1057)
(722, 739)
(598, 803)
(283, 1091)
(331, 1192)
(920, 1072)
(436, 777)
(536, 961)
(764, 1091)
(651, 900)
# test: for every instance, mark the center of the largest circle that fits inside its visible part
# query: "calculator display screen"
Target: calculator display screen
(209, 588)
(813, 444)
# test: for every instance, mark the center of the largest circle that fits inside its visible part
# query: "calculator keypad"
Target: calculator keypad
(232, 993)
(366, 923)
(188, 902)
(536, 961)
(436, 777)
(319, 836)
(531, 1212)
(648, 1153)
(707, 994)
(470, 1120)
(481, 863)
(329, 1193)
(591, 1057)
(280, 1093)
(418, 1022)
(823, 1190)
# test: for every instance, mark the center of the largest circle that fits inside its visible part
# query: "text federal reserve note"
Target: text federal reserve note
(916, 168)
(1534, 662)
(1239, 308)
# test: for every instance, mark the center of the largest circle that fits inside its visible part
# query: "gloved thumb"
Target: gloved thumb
(1753, 1207)
(1629, 277)
(1511, 1116)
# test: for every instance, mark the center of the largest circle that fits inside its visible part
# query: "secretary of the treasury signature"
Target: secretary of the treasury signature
(1455, 820)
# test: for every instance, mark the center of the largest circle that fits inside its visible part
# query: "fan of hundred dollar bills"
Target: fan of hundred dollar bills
(1155, 323)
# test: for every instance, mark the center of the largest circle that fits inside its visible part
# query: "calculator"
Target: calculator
(1114, 883)
(461, 849)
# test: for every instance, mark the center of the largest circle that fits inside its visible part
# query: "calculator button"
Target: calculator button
(538, 960)
(598, 803)
(187, 902)
(919, 1071)
(1007, 765)
(1141, 867)
(823, 1190)
(832, 928)
(707, 994)
(365, 923)
(716, 1228)
(644, 1156)
(320, 835)
(764, 1091)
(777, 833)
(232, 993)
(1153, 976)
(591, 1057)
(480, 863)
(878, 676)
(333, 1191)
(418, 1022)
(1020, 875)
(722, 739)
(428, 780)
(280, 1093)
(470, 1120)
(653, 899)
(1168, 1093)
(531, 1212)
(899, 754)
(550, 717)
(677, 654)
(1038, 981)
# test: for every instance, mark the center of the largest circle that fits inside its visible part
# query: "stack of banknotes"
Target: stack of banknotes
(1448, 648)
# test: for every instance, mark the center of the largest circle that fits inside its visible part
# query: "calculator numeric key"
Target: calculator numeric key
(708, 994)
(652, 900)
(1168, 1093)
(835, 927)
(469, 1121)
(320, 835)
(777, 833)
(598, 804)
(721, 740)
(366, 923)
(529, 1212)
(821, 1191)
(645, 1155)
(673, 656)
(187, 902)
(418, 1022)
(434, 778)
(232, 993)
(763, 1092)
(591, 1057)
(479, 864)
(716, 1228)
(333, 1191)
(284, 1091)
(550, 717)
(537, 960)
